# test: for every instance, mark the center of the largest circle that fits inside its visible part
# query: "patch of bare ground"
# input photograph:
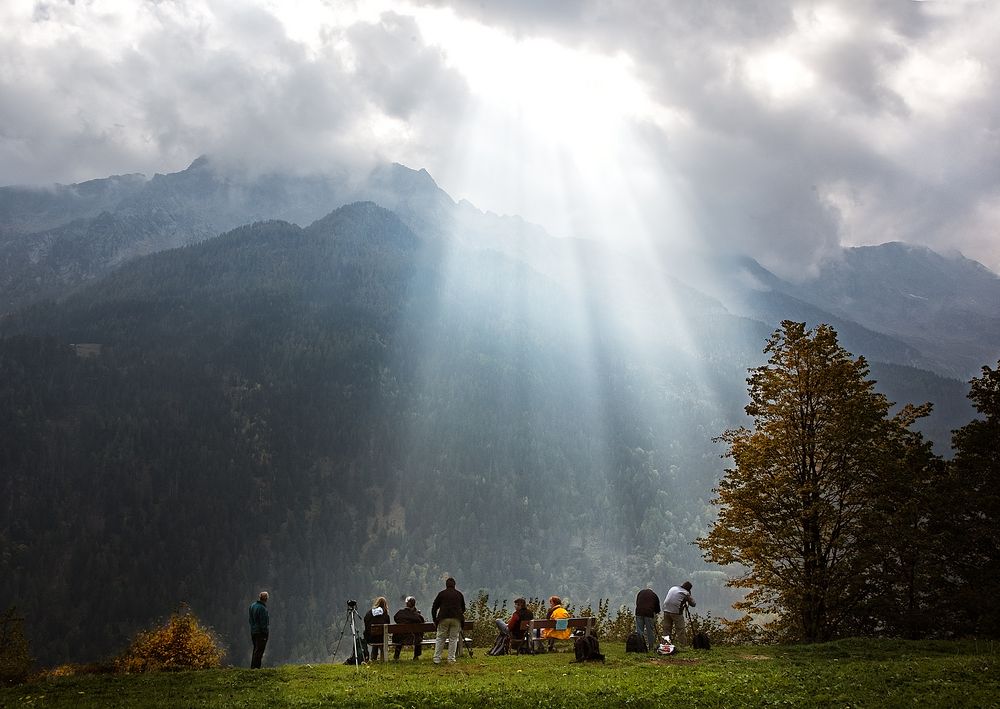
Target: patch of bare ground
(674, 661)
(755, 657)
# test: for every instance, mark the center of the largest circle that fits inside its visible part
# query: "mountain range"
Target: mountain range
(339, 388)
(902, 304)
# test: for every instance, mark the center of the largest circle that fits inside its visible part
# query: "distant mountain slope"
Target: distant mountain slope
(897, 303)
(894, 303)
(55, 240)
(948, 307)
(24, 210)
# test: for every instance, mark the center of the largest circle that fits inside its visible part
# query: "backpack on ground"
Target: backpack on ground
(700, 642)
(635, 643)
(500, 646)
(587, 649)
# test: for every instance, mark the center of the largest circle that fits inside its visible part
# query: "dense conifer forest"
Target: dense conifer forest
(347, 410)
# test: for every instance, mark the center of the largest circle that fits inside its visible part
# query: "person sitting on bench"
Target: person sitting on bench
(556, 612)
(408, 614)
(378, 615)
(511, 629)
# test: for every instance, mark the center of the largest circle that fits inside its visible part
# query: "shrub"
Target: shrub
(74, 669)
(742, 631)
(182, 643)
(483, 615)
(619, 627)
(15, 659)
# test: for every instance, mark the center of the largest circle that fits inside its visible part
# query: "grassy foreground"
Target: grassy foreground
(852, 673)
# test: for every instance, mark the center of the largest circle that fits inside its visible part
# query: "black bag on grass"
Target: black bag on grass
(635, 643)
(587, 649)
(701, 642)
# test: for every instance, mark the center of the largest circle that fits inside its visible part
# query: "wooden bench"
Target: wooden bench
(387, 630)
(587, 624)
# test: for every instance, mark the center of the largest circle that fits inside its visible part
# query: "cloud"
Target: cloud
(780, 129)
(809, 124)
(88, 88)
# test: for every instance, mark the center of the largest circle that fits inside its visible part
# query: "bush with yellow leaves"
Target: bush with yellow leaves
(182, 643)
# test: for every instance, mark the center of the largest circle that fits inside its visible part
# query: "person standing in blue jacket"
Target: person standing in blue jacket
(258, 629)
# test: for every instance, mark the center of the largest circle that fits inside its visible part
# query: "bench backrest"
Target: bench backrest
(588, 623)
(403, 628)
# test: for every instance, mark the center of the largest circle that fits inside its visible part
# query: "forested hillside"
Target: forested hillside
(359, 407)
(322, 412)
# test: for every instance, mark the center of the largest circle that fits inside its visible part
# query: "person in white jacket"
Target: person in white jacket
(673, 610)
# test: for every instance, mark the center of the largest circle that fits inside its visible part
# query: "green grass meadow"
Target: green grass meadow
(850, 673)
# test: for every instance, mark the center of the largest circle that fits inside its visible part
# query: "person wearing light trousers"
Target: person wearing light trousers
(448, 614)
(673, 611)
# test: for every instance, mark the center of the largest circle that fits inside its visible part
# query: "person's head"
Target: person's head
(380, 602)
(686, 585)
(262, 597)
(411, 602)
(450, 583)
(520, 603)
(555, 601)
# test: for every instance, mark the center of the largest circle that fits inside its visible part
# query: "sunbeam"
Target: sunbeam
(557, 134)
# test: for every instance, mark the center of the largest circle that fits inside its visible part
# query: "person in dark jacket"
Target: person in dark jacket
(259, 622)
(378, 615)
(448, 614)
(408, 614)
(512, 628)
(647, 606)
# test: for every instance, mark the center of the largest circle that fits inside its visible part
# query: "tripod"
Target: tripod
(359, 649)
(690, 626)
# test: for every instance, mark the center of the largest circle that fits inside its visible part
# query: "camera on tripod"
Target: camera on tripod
(359, 652)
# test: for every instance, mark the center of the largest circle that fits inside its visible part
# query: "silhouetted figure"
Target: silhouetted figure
(258, 629)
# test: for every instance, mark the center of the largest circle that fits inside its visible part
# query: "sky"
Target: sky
(781, 130)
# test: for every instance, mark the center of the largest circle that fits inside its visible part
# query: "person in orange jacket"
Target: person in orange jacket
(556, 612)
